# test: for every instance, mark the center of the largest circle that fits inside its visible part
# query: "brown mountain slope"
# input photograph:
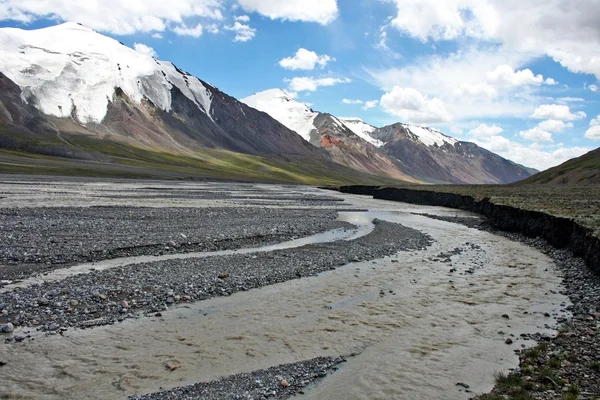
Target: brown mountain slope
(348, 149)
(448, 160)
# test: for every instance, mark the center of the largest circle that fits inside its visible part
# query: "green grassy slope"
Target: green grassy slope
(584, 170)
(84, 155)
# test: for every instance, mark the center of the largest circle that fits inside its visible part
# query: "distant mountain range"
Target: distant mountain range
(400, 151)
(70, 92)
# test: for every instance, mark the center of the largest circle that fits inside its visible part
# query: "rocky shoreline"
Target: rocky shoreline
(567, 366)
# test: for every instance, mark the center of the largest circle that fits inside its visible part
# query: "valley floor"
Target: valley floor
(122, 288)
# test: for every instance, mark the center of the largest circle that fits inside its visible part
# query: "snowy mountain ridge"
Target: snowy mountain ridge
(282, 107)
(300, 118)
(429, 136)
(78, 77)
(362, 129)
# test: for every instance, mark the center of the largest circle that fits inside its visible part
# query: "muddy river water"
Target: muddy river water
(415, 329)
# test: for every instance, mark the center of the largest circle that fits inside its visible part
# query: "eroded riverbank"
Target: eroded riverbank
(419, 320)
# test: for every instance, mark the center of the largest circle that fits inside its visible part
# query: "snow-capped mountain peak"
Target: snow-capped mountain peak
(70, 70)
(429, 136)
(282, 107)
(362, 129)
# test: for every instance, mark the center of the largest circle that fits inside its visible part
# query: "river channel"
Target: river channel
(416, 322)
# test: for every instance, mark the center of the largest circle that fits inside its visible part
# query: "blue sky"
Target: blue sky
(517, 77)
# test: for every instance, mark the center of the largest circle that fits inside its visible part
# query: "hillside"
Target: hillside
(437, 158)
(584, 170)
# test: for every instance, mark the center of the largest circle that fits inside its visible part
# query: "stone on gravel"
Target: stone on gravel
(7, 328)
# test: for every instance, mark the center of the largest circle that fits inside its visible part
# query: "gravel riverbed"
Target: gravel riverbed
(277, 383)
(568, 366)
(41, 239)
(44, 238)
(104, 297)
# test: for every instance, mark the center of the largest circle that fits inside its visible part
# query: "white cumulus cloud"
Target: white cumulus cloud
(367, 105)
(242, 18)
(114, 16)
(305, 60)
(458, 80)
(183, 30)
(594, 131)
(531, 156)
(505, 75)
(212, 28)
(476, 90)
(319, 11)
(370, 104)
(484, 130)
(529, 26)
(557, 112)
(554, 125)
(142, 48)
(309, 84)
(243, 32)
(412, 106)
(443, 20)
(536, 135)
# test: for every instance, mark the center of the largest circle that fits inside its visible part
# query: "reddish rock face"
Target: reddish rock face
(328, 141)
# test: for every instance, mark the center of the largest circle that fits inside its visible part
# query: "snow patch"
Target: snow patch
(430, 137)
(362, 129)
